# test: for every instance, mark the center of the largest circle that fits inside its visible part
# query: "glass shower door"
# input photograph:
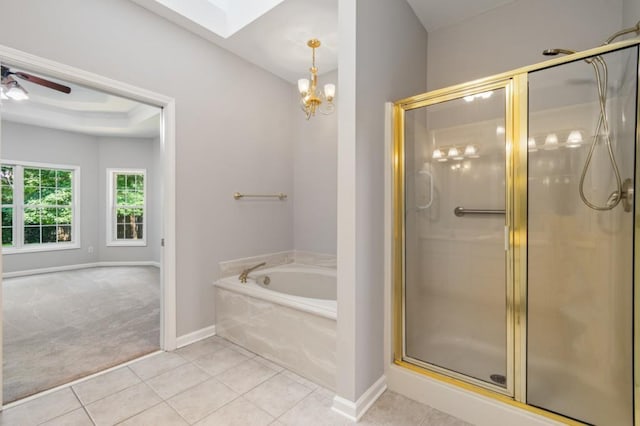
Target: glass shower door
(580, 247)
(455, 286)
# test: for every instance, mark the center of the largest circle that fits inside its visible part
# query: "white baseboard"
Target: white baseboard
(130, 263)
(355, 410)
(194, 336)
(77, 266)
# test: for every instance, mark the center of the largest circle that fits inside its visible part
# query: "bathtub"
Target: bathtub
(289, 317)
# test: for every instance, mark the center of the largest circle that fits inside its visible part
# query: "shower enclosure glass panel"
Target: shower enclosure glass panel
(580, 260)
(455, 292)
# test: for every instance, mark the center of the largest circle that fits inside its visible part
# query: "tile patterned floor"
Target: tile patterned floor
(211, 382)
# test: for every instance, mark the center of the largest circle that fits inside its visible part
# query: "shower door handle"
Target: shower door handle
(428, 203)
(461, 211)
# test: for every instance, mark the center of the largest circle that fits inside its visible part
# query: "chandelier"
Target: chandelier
(312, 100)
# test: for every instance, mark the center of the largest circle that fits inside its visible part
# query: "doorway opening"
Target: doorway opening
(88, 225)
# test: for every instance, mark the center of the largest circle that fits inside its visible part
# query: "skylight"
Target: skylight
(222, 4)
(221, 17)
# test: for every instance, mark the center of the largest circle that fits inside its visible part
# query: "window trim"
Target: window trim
(19, 246)
(111, 240)
(14, 212)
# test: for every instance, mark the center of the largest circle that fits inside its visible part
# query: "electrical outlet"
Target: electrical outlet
(90, 249)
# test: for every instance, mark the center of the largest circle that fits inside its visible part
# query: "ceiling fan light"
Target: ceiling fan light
(303, 86)
(17, 93)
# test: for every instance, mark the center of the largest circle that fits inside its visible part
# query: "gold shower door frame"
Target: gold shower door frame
(515, 84)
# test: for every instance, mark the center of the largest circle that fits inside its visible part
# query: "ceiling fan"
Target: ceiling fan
(11, 89)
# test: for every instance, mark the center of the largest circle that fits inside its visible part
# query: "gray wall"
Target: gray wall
(130, 153)
(315, 175)
(94, 155)
(390, 63)
(233, 130)
(630, 12)
(29, 143)
(514, 35)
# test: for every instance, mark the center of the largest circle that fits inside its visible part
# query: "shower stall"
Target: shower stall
(514, 233)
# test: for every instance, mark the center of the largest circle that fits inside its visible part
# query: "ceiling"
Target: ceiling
(83, 110)
(435, 14)
(276, 39)
(272, 34)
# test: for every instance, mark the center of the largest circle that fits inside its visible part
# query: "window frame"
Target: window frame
(12, 206)
(111, 226)
(19, 245)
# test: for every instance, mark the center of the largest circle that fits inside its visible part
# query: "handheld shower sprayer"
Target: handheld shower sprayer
(623, 190)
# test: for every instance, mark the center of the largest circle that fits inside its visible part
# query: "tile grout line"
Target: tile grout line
(211, 412)
(200, 368)
(175, 411)
(82, 406)
(238, 395)
(250, 359)
(159, 353)
(260, 408)
(209, 376)
(299, 402)
(294, 405)
(191, 387)
(111, 394)
(146, 409)
(278, 373)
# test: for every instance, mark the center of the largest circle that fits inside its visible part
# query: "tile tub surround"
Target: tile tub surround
(278, 396)
(236, 266)
(315, 259)
(301, 341)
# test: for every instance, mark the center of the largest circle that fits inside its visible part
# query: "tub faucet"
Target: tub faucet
(244, 274)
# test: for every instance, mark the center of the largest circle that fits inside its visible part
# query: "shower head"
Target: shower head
(553, 52)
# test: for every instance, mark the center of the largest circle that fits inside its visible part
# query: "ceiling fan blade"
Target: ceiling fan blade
(42, 82)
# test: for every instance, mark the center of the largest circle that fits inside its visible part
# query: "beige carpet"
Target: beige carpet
(62, 326)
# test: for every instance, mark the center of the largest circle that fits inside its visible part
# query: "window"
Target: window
(126, 216)
(47, 205)
(38, 206)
